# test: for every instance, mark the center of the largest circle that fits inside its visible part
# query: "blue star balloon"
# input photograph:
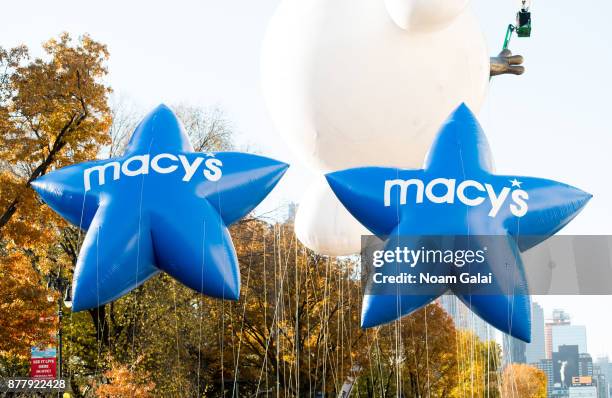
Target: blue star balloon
(457, 194)
(161, 206)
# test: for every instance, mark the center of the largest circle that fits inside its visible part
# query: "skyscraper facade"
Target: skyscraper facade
(601, 381)
(585, 365)
(546, 366)
(569, 335)
(464, 318)
(560, 317)
(605, 368)
(535, 351)
(559, 331)
(582, 392)
(514, 350)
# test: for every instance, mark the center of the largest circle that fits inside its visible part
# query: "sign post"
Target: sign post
(43, 363)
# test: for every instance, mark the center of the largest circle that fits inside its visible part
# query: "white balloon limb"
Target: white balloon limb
(324, 225)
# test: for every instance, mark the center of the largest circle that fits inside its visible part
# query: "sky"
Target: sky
(553, 122)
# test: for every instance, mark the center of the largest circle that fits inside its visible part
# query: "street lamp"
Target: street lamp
(68, 298)
(62, 286)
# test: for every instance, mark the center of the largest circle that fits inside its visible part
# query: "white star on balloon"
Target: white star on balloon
(516, 183)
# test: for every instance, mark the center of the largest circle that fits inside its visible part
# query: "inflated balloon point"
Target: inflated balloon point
(159, 207)
(456, 193)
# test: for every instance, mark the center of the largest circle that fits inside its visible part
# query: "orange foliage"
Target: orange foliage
(124, 382)
(523, 381)
(26, 316)
(53, 112)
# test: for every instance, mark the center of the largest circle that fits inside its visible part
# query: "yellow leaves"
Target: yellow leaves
(477, 366)
(25, 312)
(33, 225)
(125, 381)
(520, 380)
(60, 101)
(53, 112)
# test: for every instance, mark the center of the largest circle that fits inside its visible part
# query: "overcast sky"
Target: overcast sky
(553, 122)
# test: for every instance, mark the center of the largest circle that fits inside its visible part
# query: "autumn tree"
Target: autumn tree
(208, 127)
(412, 357)
(125, 118)
(53, 112)
(294, 330)
(478, 364)
(26, 317)
(297, 323)
(520, 380)
(123, 382)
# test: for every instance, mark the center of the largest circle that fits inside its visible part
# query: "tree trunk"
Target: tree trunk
(59, 143)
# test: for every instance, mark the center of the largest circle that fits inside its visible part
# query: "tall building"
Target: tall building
(569, 335)
(514, 350)
(565, 365)
(546, 366)
(585, 365)
(583, 387)
(558, 392)
(291, 212)
(560, 317)
(464, 318)
(606, 369)
(582, 392)
(535, 351)
(600, 380)
(559, 331)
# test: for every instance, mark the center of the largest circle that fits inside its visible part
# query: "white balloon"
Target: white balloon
(354, 83)
(424, 15)
(348, 87)
(323, 224)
